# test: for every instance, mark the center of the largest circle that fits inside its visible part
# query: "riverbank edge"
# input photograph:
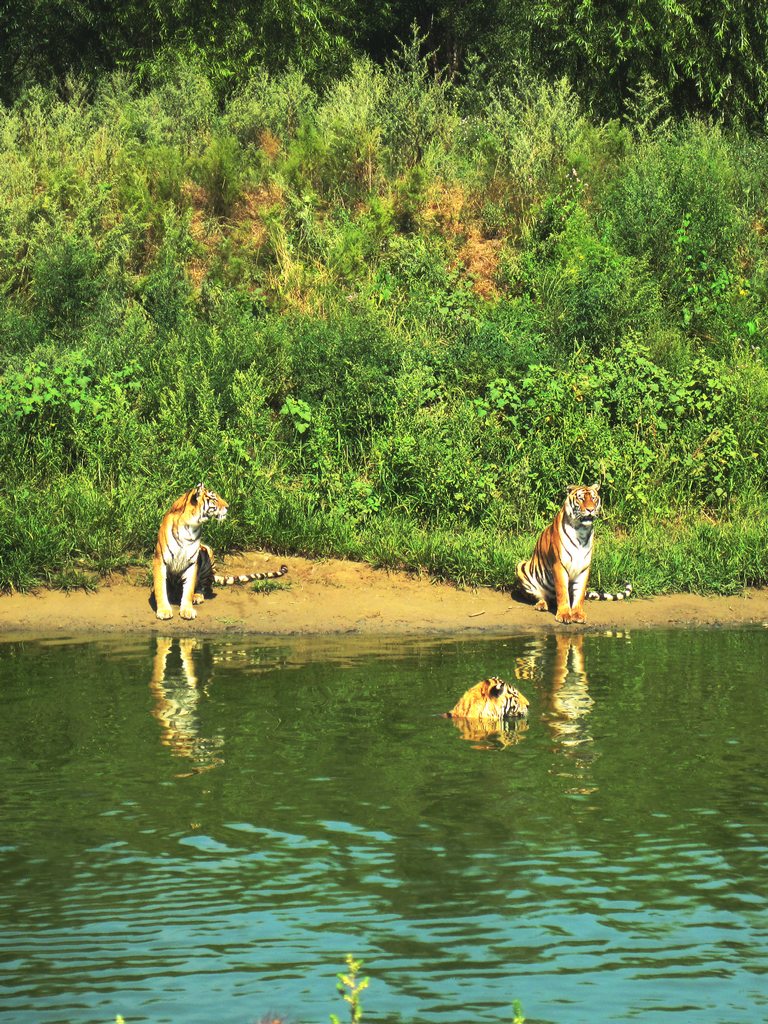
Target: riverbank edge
(322, 597)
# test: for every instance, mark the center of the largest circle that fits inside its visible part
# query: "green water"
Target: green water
(202, 834)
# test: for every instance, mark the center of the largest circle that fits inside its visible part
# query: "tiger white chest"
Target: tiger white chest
(183, 549)
(578, 539)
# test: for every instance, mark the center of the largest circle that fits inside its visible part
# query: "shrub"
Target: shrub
(675, 205)
(65, 284)
(347, 136)
(270, 105)
(221, 171)
(589, 294)
(346, 366)
(420, 118)
(523, 141)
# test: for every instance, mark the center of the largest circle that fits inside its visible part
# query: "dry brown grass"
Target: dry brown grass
(205, 231)
(450, 211)
(253, 205)
(445, 207)
(270, 145)
(246, 227)
(480, 257)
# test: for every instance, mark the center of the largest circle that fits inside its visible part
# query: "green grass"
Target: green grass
(392, 347)
(268, 586)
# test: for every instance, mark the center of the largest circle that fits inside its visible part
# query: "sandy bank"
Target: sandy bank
(329, 596)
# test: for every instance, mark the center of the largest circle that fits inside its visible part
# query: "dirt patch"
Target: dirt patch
(330, 597)
(480, 256)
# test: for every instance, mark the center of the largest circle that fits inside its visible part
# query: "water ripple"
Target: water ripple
(611, 867)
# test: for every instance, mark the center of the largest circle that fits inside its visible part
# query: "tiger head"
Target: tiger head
(203, 504)
(584, 502)
(492, 699)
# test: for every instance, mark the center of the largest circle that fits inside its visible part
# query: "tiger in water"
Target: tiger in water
(491, 699)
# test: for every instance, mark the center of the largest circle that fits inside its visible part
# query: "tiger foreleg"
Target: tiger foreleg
(562, 596)
(189, 581)
(579, 589)
(160, 583)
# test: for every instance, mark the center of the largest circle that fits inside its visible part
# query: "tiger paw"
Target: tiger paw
(164, 613)
(188, 612)
(541, 606)
(198, 598)
(577, 615)
(564, 615)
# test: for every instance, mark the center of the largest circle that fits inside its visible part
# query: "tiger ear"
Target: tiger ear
(197, 493)
(573, 487)
(595, 487)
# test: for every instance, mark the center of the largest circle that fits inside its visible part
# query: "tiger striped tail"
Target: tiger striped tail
(604, 595)
(249, 577)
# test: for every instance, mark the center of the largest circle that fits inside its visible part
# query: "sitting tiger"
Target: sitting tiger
(559, 567)
(182, 561)
(491, 699)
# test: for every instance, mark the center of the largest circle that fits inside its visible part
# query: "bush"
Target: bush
(419, 118)
(221, 171)
(591, 296)
(382, 331)
(675, 206)
(524, 140)
(269, 109)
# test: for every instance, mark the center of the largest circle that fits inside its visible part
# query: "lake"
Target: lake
(202, 830)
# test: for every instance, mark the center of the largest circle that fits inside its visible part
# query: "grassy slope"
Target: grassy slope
(386, 322)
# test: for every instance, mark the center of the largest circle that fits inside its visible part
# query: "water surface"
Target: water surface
(197, 831)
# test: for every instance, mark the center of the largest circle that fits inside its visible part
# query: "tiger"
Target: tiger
(491, 699)
(559, 566)
(182, 560)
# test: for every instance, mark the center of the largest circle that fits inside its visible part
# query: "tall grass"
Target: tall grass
(386, 320)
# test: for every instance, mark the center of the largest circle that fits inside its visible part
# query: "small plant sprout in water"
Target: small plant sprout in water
(350, 988)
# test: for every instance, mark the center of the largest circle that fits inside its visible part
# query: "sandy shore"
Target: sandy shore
(327, 596)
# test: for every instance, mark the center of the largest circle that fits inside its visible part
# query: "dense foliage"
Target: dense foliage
(704, 57)
(390, 317)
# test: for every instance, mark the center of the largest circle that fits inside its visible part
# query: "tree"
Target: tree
(706, 56)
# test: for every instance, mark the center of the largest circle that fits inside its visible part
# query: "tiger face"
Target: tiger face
(491, 700)
(207, 504)
(584, 503)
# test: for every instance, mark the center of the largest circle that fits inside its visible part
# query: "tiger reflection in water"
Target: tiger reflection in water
(570, 699)
(563, 671)
(175, 686)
